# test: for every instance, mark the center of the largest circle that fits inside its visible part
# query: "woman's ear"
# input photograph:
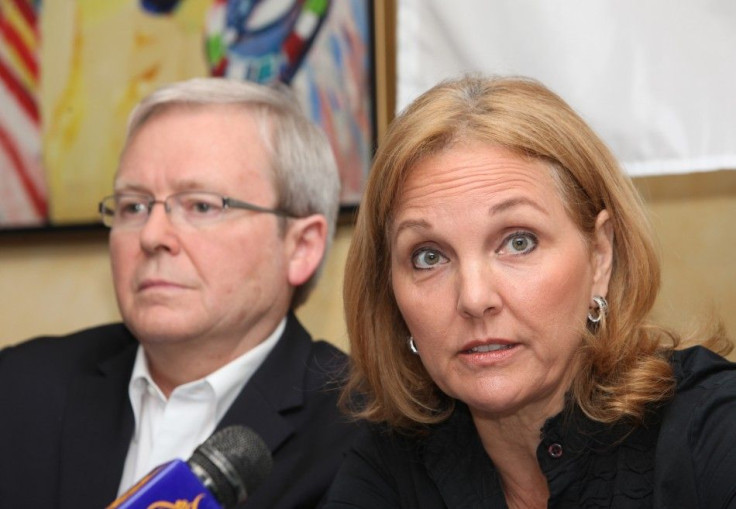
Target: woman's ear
(306, 243)
(602, 253)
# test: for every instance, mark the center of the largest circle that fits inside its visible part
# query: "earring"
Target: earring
(598, 311)
(412, 346)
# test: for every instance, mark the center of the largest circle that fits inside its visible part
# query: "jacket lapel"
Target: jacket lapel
(275, 388)
(96, 432)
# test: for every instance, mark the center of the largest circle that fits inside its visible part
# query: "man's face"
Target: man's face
(225, 281)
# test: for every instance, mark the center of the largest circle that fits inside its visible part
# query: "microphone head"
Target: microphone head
(232, 463)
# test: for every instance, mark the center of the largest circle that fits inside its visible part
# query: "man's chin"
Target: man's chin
(162, 329)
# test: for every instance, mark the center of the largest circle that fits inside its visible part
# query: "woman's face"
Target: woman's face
(493, 278)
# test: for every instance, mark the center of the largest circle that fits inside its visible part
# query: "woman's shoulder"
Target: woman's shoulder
(397, 448)
(698, 368)
(704, 405)
(390, 442)
(705, 387)
(696, 438)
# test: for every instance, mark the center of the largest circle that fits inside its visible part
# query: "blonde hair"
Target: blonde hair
(624, 363)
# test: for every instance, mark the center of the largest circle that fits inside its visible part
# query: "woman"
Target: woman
(497, 293)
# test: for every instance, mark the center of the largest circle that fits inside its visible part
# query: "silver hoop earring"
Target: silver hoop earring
(412, 346)
(599, 310)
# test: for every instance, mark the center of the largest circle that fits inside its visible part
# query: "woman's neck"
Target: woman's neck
(512, 443)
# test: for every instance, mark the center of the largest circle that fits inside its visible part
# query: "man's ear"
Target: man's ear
(602, 253)
(306, 241)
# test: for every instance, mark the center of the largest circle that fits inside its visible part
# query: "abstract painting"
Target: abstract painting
(71, 71)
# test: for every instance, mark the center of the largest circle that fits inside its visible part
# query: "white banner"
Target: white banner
(656, 79)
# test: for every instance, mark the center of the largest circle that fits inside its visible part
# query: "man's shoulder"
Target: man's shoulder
(323, 359)
(327, 368)
(326, 352)
(67, 351)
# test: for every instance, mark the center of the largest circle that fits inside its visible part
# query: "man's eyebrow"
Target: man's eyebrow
(184, 185)
(131, 188)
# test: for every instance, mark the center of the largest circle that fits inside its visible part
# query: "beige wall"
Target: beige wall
(54, 283)
(695, 220)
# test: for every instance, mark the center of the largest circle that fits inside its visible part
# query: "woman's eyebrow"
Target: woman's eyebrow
(411, 224)
(498, 208)
(514, 202)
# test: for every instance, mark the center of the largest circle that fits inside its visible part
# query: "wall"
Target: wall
(695, 220)
(53, 283)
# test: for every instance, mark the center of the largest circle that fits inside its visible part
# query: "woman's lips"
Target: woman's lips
(491, 347)
(488, 353)
(487, 346)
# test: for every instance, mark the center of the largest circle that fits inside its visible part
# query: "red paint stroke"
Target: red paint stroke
(21, 95)
(37, 199)
(14, 40)
(26, 10)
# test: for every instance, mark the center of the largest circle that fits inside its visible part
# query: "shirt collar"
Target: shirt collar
(226, 382)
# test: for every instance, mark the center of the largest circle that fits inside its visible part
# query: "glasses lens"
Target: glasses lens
(197, 208)
(124, 210)
(106, 209)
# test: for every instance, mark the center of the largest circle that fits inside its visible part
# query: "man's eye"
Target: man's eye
(199, 207)
(132, 208)
(202, 207)
(427, 258)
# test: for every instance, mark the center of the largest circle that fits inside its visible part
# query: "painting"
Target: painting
(71, 71)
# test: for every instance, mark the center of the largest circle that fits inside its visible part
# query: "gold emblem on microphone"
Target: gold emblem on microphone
(179, 504)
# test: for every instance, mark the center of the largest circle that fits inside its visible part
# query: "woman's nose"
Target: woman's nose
(477, 289)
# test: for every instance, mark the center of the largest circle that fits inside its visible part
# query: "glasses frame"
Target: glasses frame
(227, 203)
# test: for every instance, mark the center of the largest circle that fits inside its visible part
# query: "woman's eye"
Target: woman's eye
(427, 258)
(519, 243)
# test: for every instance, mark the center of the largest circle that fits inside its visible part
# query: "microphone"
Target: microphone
(221, 473)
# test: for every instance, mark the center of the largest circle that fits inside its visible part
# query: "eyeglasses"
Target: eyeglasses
(195, 208)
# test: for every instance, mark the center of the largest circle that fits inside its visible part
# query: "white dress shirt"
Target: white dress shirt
(167, 429)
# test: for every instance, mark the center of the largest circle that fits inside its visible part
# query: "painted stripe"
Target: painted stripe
(21, 95)
(15, 206)
(17, 68)
(26, 30)
(37, 199)
(23, 129)
(14, 40)
(26, 10)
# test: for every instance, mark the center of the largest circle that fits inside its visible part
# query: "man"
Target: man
(224, 205)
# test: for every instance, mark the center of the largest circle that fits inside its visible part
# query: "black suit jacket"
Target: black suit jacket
(66, 420)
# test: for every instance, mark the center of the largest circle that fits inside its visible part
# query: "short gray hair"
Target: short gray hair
(305, 174)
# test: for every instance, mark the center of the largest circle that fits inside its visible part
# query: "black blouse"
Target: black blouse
(683, 456)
